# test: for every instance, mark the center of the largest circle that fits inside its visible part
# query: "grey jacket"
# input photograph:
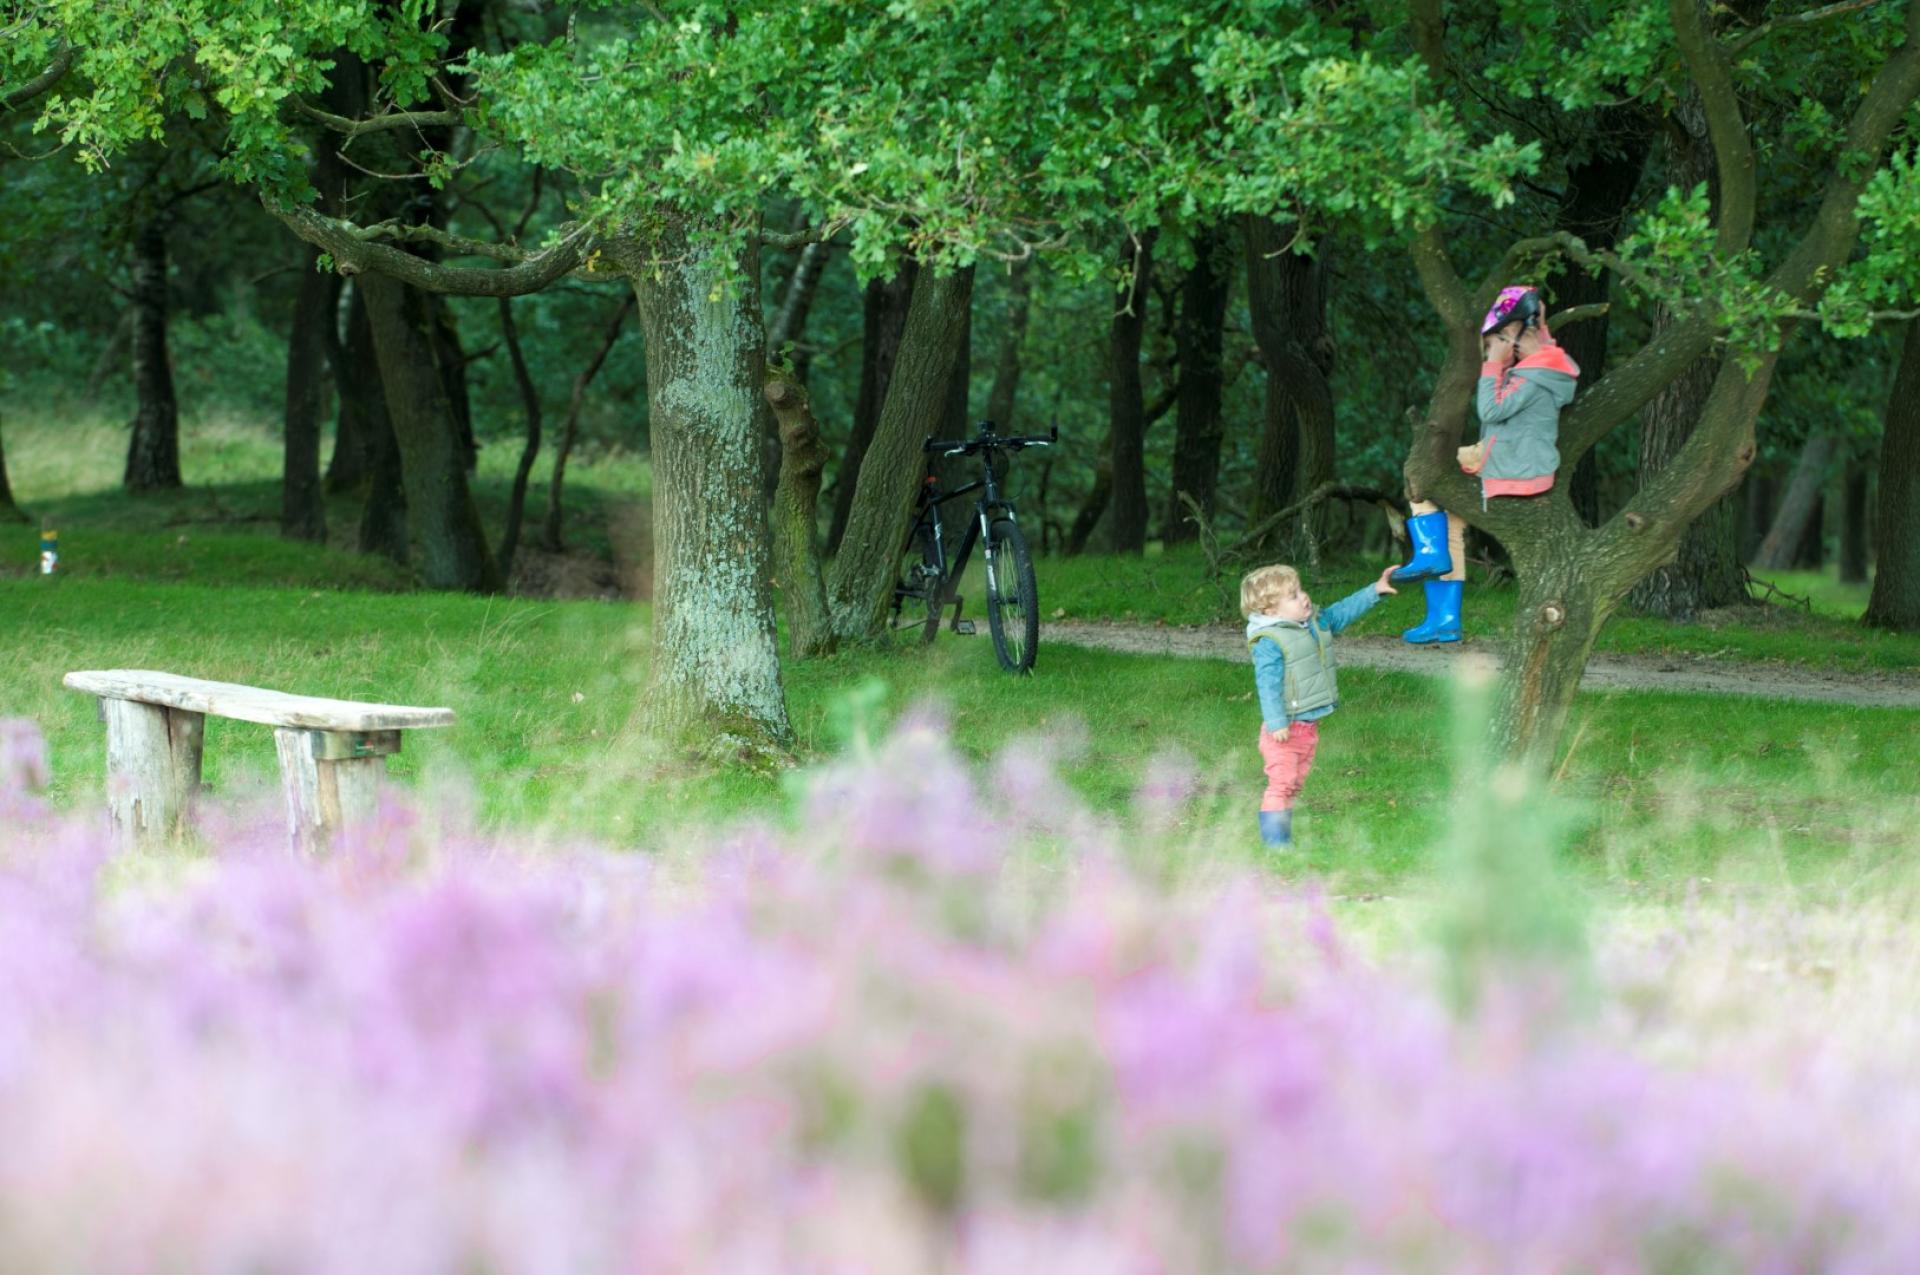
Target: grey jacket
(1520, 421)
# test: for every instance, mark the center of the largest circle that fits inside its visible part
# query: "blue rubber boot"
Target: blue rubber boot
(1430, 554)
(1443, 614)
(1276, 827)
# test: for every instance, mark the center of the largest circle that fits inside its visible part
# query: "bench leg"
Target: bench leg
(326, 791)
(153, 769)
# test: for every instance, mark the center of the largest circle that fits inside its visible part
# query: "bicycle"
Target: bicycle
(929, 580)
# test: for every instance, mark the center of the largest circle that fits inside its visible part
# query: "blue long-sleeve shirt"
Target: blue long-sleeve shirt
(1270, 666)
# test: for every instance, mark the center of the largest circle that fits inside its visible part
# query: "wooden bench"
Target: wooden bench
(333, 752)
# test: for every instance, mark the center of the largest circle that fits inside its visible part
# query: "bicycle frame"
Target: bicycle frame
(989, 506)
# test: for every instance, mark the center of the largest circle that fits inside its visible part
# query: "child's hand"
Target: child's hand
(1384, 585)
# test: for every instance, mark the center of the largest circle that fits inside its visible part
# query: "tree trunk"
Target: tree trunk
(1099, 496)
(1854, 550)
(1599, 193)
(303, 509)
(354, 384)
(1895, 601)
(383, 513)
(919, 396)
(441, 515)
(1013, 334)
(1706, 572)
(884, 323)
(1198, 427)
(1561, 605)
(530, 405)
(153, 456)
(1287, 302)
(1781, 547)
(796, 513)
(714, 672)
(957, 422)
(1126, 403)
(9, 511)
(1811, 553)
(789, 326)
(450, 358)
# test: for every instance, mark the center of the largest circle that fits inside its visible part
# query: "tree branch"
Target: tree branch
(357, 250)
(1761, 32)
(378, 123)
(1710, 67)
(1824, 247)
(1324, 492)
(62, 61)
(801, 238)
(1579, 314)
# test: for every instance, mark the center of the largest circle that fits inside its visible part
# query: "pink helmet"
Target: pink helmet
(1516, 304)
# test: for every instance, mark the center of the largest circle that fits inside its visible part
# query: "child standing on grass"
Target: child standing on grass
(1292, 649)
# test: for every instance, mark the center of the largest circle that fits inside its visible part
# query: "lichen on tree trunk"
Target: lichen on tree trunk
(714, 672)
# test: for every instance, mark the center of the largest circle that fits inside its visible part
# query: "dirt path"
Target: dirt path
(1605, 671)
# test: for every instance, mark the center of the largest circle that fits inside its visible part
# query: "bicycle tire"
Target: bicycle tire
(1013, 598)
(915, 617)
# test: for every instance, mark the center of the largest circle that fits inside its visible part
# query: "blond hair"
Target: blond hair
(1265, 586)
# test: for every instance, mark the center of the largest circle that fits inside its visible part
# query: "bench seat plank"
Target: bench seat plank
(251, 704)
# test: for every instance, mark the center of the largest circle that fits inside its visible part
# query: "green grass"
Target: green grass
(1658, 797)
(222, 527)
(1660, 788)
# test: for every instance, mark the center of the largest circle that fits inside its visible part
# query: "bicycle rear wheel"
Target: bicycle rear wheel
(1013, 599)
(915, 615)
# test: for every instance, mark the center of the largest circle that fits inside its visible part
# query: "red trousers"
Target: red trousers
(1287, 762)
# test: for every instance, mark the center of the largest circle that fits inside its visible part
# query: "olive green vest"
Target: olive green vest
(1308, 651)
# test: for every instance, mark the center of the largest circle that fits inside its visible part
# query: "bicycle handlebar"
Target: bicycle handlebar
(988, 442)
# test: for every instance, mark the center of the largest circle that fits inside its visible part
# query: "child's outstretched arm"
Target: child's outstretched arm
(1356, 604)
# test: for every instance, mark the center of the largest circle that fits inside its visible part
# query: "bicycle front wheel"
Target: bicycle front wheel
(1013, 599)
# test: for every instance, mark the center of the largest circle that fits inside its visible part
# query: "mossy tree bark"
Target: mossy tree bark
(441, 515)
(795, 518)
(919, 396)
(714, 672)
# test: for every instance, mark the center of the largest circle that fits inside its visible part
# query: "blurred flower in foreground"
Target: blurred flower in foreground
(902, 1038)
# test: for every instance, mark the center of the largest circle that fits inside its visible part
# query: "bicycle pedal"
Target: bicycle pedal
(963, 627)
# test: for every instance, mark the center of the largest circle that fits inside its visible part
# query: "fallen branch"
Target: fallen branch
(1319, 495)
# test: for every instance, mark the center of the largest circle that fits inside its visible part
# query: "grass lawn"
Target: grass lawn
(1659, 787)
(1656, 789)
